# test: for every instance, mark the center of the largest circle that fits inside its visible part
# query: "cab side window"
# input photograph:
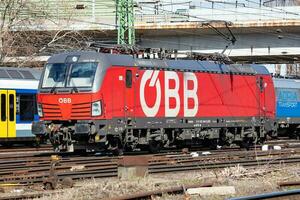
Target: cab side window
(128, 78)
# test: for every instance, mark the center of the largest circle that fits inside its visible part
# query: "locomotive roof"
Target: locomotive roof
(108, 60)
(13, 73)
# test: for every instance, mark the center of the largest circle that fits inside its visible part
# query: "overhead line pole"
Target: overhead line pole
(125, 22)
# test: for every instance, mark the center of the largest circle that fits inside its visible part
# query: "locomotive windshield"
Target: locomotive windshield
(55, 75)
(74, 75)
(82, 75)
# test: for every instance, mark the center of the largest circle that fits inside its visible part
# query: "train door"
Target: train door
(7, 113)
(261, 95)
(129, 106)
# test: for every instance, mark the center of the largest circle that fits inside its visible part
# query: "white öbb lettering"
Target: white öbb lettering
(65, 100)
(170, 93)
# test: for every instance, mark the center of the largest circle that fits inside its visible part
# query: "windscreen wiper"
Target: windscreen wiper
(75, 89)
(53, 88)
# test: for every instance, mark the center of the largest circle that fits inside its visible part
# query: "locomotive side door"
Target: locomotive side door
(261, 95)
(7, 113)
(129, 102)
(3, 113)
(11, 113)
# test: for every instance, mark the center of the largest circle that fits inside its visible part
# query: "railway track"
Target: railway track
(35, 169)
(47, 148)
(24, 149)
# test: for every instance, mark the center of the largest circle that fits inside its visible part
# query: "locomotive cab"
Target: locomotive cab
(69, 100)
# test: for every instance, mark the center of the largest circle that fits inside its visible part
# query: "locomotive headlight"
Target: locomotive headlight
(96, 108)
(40, 110)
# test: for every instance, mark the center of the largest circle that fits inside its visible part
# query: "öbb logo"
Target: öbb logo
(65, 100)
(170, 93)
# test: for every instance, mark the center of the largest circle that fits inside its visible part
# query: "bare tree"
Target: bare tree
(9, 17)
(20, 35)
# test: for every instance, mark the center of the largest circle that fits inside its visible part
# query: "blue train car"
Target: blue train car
(18, 88)
(287, 106)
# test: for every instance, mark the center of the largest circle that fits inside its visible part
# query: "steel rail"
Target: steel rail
(270, 195)
(39, 165)
(95, 171)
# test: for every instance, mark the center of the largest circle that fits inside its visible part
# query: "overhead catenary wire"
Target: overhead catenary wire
(191, 46)
(275, 10)
(227, 10)
(206, 19)
(293, 36)
(259, 7)
(197, 17)
(272, 8)
(286, 35)
(111, 4)
(239, 12)
(180, 14)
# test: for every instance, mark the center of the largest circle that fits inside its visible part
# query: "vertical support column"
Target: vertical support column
(125, 22)
(121, 21)
(131, 30)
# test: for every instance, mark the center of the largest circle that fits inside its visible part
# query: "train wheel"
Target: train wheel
(128, 148)
(56, 148)
(262, 140)
(115, 147)
(295, 135)
(7, 144)
(117, 152)
(213, 144)
(246, 143)
(154, 146)
(36, 144)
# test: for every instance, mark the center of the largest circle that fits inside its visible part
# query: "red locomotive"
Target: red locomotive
(90, 100)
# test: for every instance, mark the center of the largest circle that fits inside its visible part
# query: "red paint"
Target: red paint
(219, 95)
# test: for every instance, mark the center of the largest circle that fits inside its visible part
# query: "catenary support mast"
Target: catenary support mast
(125, 21)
